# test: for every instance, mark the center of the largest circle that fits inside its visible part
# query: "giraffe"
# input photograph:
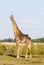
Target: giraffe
(20, 37)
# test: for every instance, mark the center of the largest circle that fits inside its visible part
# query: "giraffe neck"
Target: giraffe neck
(15, 28)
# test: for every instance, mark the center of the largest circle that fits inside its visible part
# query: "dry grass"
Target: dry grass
(12, 60)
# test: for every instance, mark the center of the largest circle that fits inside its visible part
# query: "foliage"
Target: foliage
(10, 50)
(33, 49)
(37, 49)
(39, 40)
(2, 49)
(7, 40)
(41, 49)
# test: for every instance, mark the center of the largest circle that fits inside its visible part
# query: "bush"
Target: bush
(33, 50)
(41, 49)
(37, 49)
(2, 49)
(10, 50)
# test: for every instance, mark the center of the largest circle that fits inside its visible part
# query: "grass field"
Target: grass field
(6, 59)
(12, 60)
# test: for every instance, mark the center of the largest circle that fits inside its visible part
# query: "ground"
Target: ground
(12, 60)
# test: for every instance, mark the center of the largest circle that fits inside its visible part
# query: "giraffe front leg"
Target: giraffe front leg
(18, 49)
(26, 53)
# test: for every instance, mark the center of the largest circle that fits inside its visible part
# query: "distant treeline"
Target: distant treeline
(39, 40)
(8, 40)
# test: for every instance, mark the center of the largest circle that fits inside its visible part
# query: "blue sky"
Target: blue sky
(29, 16)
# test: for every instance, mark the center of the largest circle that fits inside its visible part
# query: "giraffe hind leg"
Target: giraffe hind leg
(18, 50)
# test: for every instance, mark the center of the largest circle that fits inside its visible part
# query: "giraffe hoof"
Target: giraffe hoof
(17, 56)
(26, 56)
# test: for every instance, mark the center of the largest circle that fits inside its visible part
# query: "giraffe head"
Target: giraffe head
(12, 17)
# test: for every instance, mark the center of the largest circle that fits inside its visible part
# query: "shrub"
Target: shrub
(10, 50)
(33, 50)
(2, 49)
(41, 49)
(37, 49)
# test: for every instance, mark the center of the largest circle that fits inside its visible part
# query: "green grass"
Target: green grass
(12, 60)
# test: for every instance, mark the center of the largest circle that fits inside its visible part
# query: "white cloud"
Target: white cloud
(23, 20)
(31, 21)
